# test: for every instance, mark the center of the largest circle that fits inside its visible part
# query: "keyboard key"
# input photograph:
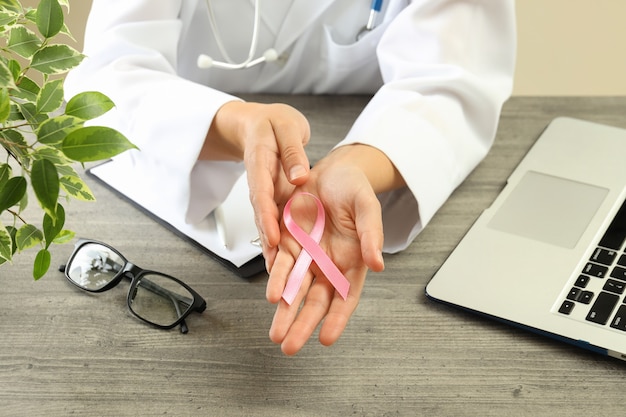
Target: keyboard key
(619, 321)
(614, 286)
(574, 293)
(595, 270)
(622, 260)
(567, 307)
(616, 233)
(582, 281)
(619, 273)
(603, 256)
(602, 308)
(585, 297)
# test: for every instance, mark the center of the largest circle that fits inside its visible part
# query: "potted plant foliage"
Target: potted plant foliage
(42, 137)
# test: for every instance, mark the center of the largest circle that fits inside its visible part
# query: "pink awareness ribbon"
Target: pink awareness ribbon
(311, 251)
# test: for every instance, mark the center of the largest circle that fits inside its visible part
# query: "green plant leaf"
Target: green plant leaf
(28, 236)
(88, 105)
(50, 96)
(15, 143)
(15, 67)
(6, 76)
(77, 188)
(12, 5)
(6, 244)
(27, 89)
(66, 31)
(54, 130)
(5, 105)
(15, 113)
(52, 154)
(23, 41)
(56, 59)
(5, 173)
(23, 202)
(31, 15)
(42, 264)
(52, 226)
(65, 170)
(95, 143)
(45, 182)
(12, 192)
(64, 236)
(7, 17)
(49, 18)
(30, 113)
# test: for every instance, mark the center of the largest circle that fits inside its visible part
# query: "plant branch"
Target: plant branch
(16, 215)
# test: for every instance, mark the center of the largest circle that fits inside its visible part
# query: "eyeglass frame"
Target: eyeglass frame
(135, 273)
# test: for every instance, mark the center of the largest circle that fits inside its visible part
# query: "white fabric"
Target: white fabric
(440, 71)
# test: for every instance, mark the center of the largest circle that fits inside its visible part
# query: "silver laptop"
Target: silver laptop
(548, 255)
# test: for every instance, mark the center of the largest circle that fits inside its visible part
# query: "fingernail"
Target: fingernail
(296, 172)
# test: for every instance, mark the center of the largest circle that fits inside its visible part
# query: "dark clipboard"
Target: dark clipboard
(249, 269)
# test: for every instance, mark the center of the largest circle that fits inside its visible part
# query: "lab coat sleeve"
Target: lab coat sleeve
(131, 52)
(447, 68)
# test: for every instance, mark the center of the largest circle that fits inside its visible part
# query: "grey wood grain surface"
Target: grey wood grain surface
(64, 352)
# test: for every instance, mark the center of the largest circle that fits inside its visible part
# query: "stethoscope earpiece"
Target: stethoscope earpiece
(204, 61)
(270, 55)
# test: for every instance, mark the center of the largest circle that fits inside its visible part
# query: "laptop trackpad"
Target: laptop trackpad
(550, 209)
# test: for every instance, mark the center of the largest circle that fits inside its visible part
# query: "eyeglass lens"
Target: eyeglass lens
(94, 266)
(159, 299)
(154, 297)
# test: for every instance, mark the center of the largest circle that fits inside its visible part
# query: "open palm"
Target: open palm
(352, 239)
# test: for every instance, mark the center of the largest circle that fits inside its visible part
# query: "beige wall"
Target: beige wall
(571, 47)
(565, 47)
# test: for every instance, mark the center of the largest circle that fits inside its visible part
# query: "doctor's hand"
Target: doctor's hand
(270, 139)
(346, 182)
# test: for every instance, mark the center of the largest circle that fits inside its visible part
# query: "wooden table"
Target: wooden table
(64, 352)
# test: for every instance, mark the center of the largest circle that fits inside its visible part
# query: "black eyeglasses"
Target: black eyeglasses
(158, 299)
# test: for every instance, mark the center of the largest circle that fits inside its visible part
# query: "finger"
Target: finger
(269, 254)
(259, 165)
(315, 307)
(292, 135)
(341, 310)
(286, 314)
(280, 270)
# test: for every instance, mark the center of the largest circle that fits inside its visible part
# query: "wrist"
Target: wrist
(379, 170)
(224, 141)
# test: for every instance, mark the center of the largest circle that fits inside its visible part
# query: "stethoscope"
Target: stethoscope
(270, 55)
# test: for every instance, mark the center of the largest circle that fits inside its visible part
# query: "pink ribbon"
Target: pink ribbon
(311, 252)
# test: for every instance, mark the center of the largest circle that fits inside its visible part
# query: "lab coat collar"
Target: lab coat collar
(298, 20)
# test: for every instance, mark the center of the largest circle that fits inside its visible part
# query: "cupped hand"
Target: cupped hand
(270, 138)
(353, 239)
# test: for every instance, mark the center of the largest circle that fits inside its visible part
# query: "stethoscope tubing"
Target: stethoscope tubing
(205, 61)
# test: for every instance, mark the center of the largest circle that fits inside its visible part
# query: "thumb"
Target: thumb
(291, 139)
(369, 227)
(295, 162)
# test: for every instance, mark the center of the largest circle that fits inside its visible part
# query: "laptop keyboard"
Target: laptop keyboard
(604, 300)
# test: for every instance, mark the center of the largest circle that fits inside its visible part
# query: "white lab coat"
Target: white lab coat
(440, 71)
